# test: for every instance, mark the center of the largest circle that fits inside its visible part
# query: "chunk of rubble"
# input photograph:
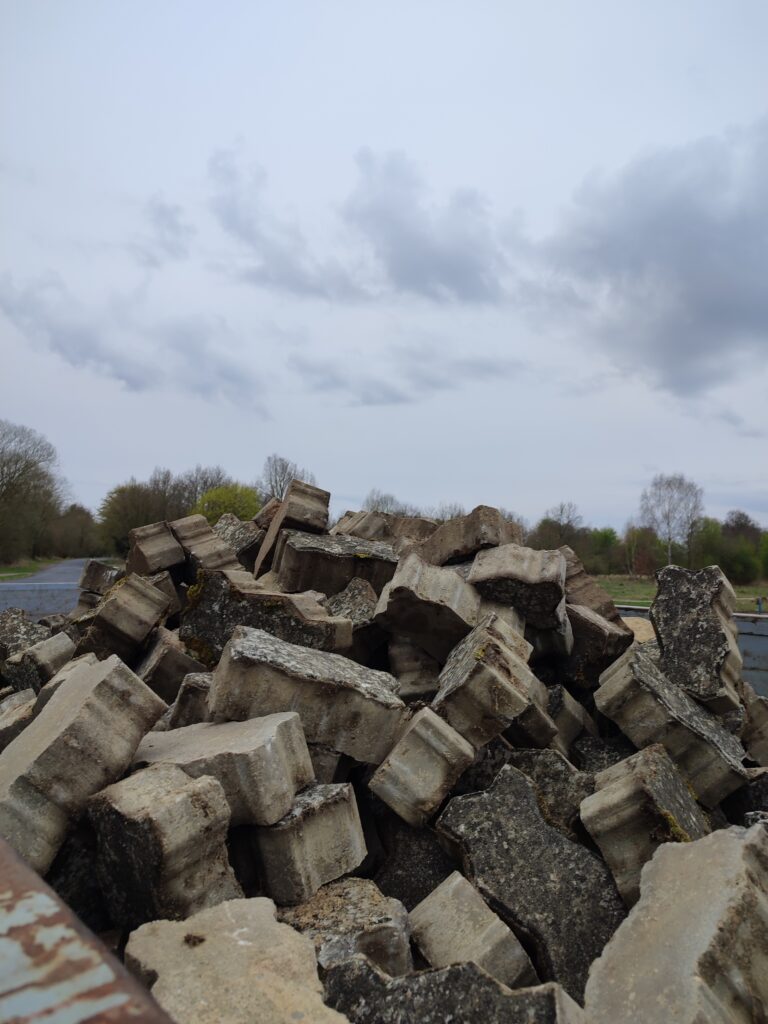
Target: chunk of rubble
(98, 577)
(343, 705)
(454, 924)
(261, 763)
(755, 733)
(33, 667)
(530, 873)
(582, 589)
(220, 601)
(693, 949)
(421, 769)
(233, 962)
(461, 992)
(16, 713)
(161, 845)
(416, 671)
(310, 561)
(357, 602)
(305, 508)
(318, 841)
(415, 863)
(692, 614)
(267, 513)
(570, 717)
(83, 739)
(434, 608)
(244, 537)
(485, 689)
(640, 803)
(597, 643)
(595, 753)
(560, 787)
(636, 695)
(166, 664)
(459, 539)
(163, 581)
(18, 632)
(750, 799)
(400, 531)
(204, 548)
(153, 549)
(351, 916)
(124, 619)
(532, 581)
(191, 704)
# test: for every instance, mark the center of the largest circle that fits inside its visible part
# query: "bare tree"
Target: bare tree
(672, 506)
(277, 474)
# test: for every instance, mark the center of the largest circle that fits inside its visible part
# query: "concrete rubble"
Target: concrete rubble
(442, 754)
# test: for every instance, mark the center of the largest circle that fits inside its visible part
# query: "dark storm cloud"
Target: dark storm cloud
(668, 257)
(167, 237)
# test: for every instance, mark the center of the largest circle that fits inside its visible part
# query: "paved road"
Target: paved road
(49, 591)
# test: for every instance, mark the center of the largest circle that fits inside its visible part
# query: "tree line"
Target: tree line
(38, 520)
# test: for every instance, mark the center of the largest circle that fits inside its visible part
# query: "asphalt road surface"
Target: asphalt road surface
(49, 591)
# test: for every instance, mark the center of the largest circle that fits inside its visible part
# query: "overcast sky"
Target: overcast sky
(503, 252)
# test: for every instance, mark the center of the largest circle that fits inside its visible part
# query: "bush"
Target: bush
(238, 499)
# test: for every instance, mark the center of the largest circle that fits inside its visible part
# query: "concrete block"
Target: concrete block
(261, 763)
(204, 548)
(97, 577)
(581, 589)
(244, 537)
(34, 667)
(346, 707)
(570, 717)
(640, 803)
(191, 704)
(318, 841)
(351, 916)
(161, 845)
(561, 789)
(163, 581)
(18, 632)
(15, 716)
(597, 643)
(421, 769)
(694, 950)
(124, 619)
(83, 739)
(65, 672)
(165, 665)
(357, 602)
(416, 671)
(454, 925)
(231, 963)
(308, 561)
(755, 733)
(433, 608)
(648, 708)
(532, 581)
(153, 549)
(304, 508)
(267, 513)
(329, 764)
(458, 540)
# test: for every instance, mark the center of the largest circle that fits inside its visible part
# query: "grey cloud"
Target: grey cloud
(432, 367)
(168, 236)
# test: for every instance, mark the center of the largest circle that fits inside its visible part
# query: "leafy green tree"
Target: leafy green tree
(238, 499)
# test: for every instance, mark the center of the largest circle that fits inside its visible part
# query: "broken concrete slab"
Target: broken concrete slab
(233, 962)
(310, 561)
(454, 924)
(597, 643)
(166, 664)
(191, 704)
(163, 581)
(415, 863)
(161, 838)
(244, 537)
(582, 589)
(462, 992)
(15, 716)
(694, 949)
(570, 717)
(545, 887)
(560, 787)
(357, 602)
(123, 620)
(35, 666)
(305, 508)
(220, 601)
(416, 671)
(400, 531)
(83, 739)
(433, 608)
(692, 614)
(594, 753)
(459, 539)
(531, 581)
(422, 767)
(351, 916)
(98, 577)
(267, 513)
(639, 804)
(153, 549)
(204, 548)
(261, 763)
(648, 708)
(318, 841)
(343, 705)
(18, 632)
(755, 733)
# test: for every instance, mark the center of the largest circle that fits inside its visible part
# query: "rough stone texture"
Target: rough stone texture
(318, 841)
(692, 614)
(554, 892)
(433, 608)
(232, 963)
(532, 581)
(640, 803)
(352, 916)
(17, 633)
(419, 772)
(560, 788)
(415, 863)
(16, 717)
(329, 765)
(570, 717)
(416, 671)
(267, 513)
(163, 581)
(84, 738)
(514, 636)
(305, 508)
(97, 577)
(73, 878)
(308, 561)
(457, 540)
(636, 695)
(357, 602)
(166, 664)
(222, 600)
(342, 705)
(750, 799)
(261, 763)
(32, 668)
(153, 549)
(191, 704)
(400, 531)
(64, 673)
(485, 688)
(597, 643)
(555, 643)
(581, 589)
(454, 924)
(489, 760)
(243, 537)
(461, 994)
(204, 548)
(124, 619)
(755, 733)
(694, 949)
(161, 845)
(594, 753)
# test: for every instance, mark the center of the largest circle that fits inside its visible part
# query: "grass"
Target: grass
(640, 590)
(20, 570)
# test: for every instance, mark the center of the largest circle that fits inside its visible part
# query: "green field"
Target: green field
(640, 590)
(18, 570)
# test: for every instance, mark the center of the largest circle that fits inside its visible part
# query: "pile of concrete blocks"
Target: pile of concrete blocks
(387, 772)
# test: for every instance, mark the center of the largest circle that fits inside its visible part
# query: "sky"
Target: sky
(509, 253)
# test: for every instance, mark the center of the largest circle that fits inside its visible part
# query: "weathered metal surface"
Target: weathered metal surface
(52, 969)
